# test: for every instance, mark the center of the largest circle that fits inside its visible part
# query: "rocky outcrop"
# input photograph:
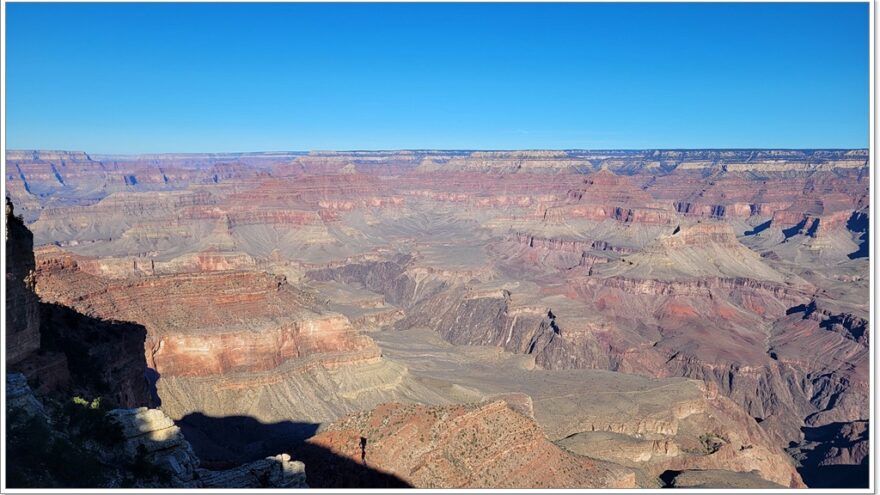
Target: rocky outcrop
(400, 278)
(714, 478)
(606, 196)
(151, 437)
(131, 447)
(272, 472)
(474, 446)
(19, 396)
(695, 432)
(567, 245)
(847, 324)
(533, 252)
(844, 443)
(698, 251)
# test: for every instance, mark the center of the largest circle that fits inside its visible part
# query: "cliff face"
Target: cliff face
(61, 350)
(240, 322)
(104, 357)
(48, 370)
(22, 304)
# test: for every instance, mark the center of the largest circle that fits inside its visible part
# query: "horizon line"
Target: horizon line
(427, 150)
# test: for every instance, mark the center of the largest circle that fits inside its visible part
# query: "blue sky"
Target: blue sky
(132, 78)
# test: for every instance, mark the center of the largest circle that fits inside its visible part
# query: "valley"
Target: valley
(657, 318)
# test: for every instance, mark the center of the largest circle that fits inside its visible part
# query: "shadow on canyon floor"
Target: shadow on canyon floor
(325, 469)
(859, 223)
(841, 476)
(224, 442)
(152, 377)
(759, 228)
(667, 478)
(831, 476)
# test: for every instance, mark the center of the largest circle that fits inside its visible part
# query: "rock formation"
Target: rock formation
(254, 278)
(465, 446)
(215, 335)
(138, 447)
(23, 307)
(152, 437)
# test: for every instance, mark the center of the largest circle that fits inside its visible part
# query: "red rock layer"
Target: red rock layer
(209, 323)
(604, 195)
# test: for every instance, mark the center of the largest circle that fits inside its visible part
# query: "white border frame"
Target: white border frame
(872, 249)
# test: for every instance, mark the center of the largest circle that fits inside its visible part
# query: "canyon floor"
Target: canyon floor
(466, 319)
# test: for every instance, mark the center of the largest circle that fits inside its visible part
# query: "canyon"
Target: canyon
(447, 319)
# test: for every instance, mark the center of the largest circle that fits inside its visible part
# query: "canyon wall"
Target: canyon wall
(22, 304)
(257, 278)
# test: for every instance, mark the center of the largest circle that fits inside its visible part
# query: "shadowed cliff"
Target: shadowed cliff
(61, 351)
(233, 440)
(22, 304)
(105, 358)
(826, 449)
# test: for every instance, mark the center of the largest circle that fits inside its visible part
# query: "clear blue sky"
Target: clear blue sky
(128, 78)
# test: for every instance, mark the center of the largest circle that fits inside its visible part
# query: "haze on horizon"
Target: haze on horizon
(154, 78)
